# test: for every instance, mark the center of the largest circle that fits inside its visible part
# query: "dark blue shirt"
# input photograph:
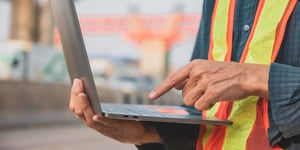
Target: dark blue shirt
(284, 80)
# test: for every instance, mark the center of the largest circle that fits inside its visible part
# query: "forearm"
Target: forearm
(174, 136)
(284, 103)
(150, 136)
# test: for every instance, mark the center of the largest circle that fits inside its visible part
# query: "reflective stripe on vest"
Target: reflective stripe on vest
(249, 116)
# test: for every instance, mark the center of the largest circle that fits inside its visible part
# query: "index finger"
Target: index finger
(171, 81)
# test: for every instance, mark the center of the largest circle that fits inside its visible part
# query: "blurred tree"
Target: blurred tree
(46, 23)
(24, 20)
(32, 21)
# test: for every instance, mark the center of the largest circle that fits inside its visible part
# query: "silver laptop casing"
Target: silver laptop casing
(66, 20)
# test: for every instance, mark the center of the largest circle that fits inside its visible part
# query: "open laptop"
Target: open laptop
(67, 23)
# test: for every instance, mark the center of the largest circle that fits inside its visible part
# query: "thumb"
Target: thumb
(77, 87)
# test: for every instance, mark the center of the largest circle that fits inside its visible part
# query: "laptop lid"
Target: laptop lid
(65, 17)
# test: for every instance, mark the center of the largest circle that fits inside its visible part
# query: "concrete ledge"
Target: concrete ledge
(29, 119)
(30, 103)
(18, 96)
(39, 103)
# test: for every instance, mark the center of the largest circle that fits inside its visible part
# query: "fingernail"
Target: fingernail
(75, 84)
(95, 118)
(152, 94)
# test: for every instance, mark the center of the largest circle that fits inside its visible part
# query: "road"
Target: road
(63, 137)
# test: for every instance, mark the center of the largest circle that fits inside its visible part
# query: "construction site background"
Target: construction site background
(132, 46)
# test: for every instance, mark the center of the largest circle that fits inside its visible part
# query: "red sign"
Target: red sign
(154, 25)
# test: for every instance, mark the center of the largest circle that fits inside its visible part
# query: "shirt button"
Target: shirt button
(246, 27)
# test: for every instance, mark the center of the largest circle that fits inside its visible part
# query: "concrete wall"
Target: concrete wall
(32, 103)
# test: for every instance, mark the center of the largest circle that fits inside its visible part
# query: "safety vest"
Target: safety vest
(249, 116)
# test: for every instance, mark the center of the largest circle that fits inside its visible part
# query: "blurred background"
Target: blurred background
(132, 46)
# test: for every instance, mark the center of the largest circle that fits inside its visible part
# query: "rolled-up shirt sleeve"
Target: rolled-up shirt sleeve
(284, 105)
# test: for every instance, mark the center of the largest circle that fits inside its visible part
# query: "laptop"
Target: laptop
(66, 19)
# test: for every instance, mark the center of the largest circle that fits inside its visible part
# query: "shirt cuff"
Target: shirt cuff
(176, 136)
(151, 146)
(284, 102)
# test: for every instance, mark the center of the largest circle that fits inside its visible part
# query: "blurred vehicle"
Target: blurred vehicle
(12, 60)
(47, 64)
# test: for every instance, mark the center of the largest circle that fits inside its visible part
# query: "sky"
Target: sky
(4, 19)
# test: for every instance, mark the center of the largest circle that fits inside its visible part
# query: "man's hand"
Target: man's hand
(203, 82)
(121, 130)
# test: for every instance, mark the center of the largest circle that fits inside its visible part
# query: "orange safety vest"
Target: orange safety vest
(249, 116)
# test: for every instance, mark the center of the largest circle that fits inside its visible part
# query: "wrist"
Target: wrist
(257, 80)
(150, 136)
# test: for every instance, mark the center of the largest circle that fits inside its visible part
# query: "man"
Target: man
(264, 36)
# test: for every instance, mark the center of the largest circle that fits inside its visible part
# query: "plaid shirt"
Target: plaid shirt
(284, 80)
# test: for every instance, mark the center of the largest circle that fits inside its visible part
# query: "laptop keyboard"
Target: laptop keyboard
(132, 110)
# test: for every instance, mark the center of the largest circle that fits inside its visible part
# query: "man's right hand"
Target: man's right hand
(121, 130)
